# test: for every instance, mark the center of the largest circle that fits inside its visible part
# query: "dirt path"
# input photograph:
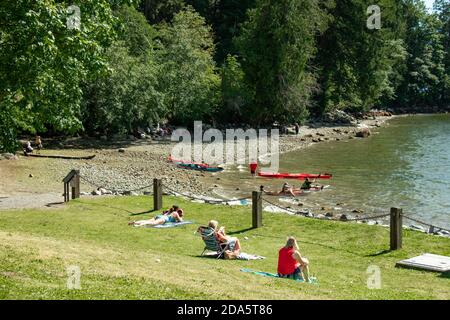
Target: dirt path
(31, 201)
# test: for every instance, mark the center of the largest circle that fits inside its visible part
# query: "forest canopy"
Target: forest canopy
(128, 64)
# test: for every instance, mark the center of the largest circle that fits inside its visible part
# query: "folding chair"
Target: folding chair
(211, 243)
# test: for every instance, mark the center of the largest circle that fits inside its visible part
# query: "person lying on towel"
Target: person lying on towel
(172, 209)
(291, 264)
(233, 244)
(171, 217)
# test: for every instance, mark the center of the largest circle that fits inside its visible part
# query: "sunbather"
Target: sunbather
(286, 190)
(234, 245)
(27, 148)
(291, 264)
(172, 209)
(172, 217)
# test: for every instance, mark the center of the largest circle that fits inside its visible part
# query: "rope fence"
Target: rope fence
(432, 228)
(169, 190)
(217, 201)
(282, 208)
(112, 189)
(346, 219)
(256, 199)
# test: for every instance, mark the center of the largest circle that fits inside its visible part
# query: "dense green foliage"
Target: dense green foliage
(135, 63)
(43, 63)
(357, 64)
(189, 78)
(276, 45)
(127, 96)
(442, 8)
(424, 78)
(225, 17)
(236, 94)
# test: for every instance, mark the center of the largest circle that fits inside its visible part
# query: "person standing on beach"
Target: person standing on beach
(38, 143)
(297, 129)
(253, 168)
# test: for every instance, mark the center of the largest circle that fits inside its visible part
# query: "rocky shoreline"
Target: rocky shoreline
(129, 167)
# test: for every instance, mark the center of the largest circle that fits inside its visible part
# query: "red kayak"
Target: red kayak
(298, 176)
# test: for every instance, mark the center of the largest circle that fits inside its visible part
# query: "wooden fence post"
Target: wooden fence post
(72, 185)
(66, 193)
(76, 185)
(256, 209)
(157, 194)
(396, 227)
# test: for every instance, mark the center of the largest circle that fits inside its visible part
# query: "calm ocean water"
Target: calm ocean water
(406, 165)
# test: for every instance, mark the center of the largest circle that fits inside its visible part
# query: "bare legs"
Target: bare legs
(143, 223)
(304, 267)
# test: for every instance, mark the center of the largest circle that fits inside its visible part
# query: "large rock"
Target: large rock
(373, 114)
(363, 133)
(417, 228)
(103, 191)
(8, 156)
(339, 116)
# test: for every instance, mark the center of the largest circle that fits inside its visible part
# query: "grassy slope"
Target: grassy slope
(118, 261)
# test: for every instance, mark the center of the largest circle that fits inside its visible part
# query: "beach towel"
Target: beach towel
(171, 224)
(312, 280)
(246, 256)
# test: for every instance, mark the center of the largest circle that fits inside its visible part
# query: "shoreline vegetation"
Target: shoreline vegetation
(120, 262)
(253, 62)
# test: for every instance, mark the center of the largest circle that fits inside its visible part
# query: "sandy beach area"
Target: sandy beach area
(129, 167)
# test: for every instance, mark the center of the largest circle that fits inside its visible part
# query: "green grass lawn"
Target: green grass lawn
(121, 262)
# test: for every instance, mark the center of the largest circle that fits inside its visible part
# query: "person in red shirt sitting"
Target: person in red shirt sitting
(291, 264)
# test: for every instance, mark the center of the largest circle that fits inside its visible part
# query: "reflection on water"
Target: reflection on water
(406, 165)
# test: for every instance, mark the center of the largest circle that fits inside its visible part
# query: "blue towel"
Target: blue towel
(273, 275)
(172, 224)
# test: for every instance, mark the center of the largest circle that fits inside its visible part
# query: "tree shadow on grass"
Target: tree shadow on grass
(141, 213)
(445, 275)
(119, 209)
(206, 256)
(54, 204)
(241, 231)
(380, 253)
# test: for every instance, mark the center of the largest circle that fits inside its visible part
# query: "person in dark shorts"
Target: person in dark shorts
(291, 264)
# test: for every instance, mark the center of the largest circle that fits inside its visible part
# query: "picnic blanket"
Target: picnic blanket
(172, 224)
(246, 256)
(312, 280)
